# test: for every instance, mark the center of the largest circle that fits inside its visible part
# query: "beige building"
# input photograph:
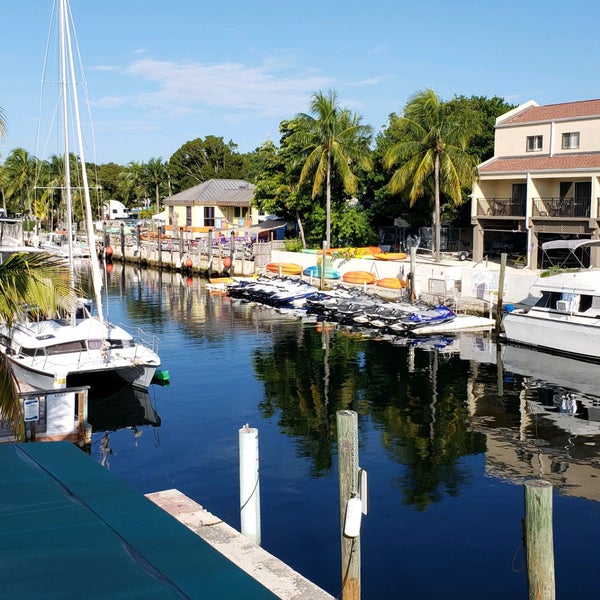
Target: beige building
(216, 205)
(542, 184)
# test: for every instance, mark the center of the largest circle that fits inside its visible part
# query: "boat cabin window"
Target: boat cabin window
(548, 300)
(74, 346)
(585, 302)
(564, 301)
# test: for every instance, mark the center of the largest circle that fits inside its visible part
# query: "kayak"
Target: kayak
(392, 283)
(391, 256)
(359, 277)
(315, 271)
(284, 268)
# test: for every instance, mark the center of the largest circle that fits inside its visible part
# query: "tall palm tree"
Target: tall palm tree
(434, 136)
(156, 172)
(332, 138)
(28, 279)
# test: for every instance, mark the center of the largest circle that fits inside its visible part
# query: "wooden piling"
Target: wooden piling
(500, 291)
(538, 540)
(347, 438)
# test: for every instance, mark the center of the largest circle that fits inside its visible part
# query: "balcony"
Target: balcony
(500, 207)
(577, 208)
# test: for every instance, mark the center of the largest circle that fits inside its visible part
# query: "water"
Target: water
(443, 435)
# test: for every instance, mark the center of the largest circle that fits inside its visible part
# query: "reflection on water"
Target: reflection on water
(446, 427)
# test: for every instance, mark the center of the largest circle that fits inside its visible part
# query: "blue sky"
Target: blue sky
(163, 73)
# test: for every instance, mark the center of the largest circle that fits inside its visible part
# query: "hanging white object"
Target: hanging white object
(353, 518)
(363, 490)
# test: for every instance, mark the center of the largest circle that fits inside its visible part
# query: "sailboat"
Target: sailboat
(81, 348)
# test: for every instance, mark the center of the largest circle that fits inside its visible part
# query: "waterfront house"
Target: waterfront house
(216, 204)
(542, 184)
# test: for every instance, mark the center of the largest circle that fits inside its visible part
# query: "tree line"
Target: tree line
(329, 173)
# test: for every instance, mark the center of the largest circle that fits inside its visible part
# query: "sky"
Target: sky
(160, 74)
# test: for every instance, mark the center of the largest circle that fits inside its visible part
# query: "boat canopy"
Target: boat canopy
(569, 250)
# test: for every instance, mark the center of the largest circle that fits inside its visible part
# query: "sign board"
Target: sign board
(31, 409)
(60, 411)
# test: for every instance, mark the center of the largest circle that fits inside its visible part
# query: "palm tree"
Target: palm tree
(28, 279)
(331, 138)
(156, 172)
(434, 136)
(21, 171)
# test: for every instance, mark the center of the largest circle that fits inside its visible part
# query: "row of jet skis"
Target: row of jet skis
(341, 304)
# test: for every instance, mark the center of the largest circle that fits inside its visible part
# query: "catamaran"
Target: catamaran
(81, 348)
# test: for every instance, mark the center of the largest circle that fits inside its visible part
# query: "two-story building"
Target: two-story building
(216, 204)
(543, 182)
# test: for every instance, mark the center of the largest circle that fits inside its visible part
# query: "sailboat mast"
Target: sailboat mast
(96, 277)
(65, 106)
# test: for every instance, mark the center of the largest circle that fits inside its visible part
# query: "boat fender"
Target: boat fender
(353, 517)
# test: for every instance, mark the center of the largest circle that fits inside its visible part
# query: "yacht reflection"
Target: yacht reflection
(554, 404)
(127, 408)
(568, 389)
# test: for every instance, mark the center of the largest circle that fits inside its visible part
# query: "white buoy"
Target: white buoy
(249, 483)
(353, 517)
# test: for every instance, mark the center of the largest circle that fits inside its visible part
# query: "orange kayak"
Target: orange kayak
(390, 256)
(284, 268)
(359, 277)
(392, 283)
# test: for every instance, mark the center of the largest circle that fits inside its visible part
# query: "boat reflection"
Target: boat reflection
(129, 407)
(556, 404)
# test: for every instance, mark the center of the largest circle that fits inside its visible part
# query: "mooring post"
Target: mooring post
(123, 242)
(347, 437)
(232, 253)
(249, 483)
(539, 550)
(500, 292)
(323, 265)
(413, 263)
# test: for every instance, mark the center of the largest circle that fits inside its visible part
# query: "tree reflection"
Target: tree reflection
(419, 406)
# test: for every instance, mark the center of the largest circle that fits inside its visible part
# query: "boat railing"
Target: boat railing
(148, 340)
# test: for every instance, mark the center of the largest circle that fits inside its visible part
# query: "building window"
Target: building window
(209, 216)
(534, 143)
(570, 140)
(239, 212)
(188, 216)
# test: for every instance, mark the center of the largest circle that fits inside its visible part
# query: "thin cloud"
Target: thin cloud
(234, 87)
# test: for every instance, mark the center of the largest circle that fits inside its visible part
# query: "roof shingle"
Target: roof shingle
(550, 112)
(523, 164)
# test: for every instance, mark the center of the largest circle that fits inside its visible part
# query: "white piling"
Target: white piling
(249, 483)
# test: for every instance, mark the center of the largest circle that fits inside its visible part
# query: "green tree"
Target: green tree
(332, 139)
(199, 160)
(134, 183)
(435, 137)
(27, 279)
(21, 172)
(156, 173)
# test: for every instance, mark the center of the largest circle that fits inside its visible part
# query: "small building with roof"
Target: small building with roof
(214, 205)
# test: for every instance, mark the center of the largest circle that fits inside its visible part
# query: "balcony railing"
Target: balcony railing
(561, 207)
(500, 207)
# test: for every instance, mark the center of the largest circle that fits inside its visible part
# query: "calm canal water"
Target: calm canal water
(447, 435)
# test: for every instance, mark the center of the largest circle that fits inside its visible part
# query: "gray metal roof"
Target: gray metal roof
(214, 192)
